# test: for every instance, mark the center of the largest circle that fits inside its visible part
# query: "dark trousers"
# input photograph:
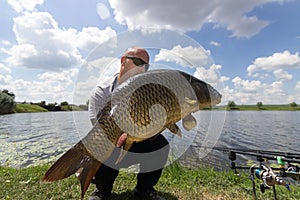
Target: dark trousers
(151, 154)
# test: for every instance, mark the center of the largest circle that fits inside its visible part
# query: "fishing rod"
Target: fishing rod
(259, 152)
(287, 167)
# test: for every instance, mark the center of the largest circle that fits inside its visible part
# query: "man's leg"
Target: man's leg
(155, 154)
(104, 180)
(151, 166)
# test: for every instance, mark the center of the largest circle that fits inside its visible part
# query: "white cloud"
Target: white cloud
(246, 85)
(92, 73)
(105, 65)
(5, 42)
(185, 56)
(191, 15)
(197, 58)
(91, 37)
(50, 87)
(210, 75)
(296, 97)
(63, 77)
(4, 69)
(83, 90)
(284, 60)
(24, 5)
(298, 86)
(253, 91)
(43, 45)
(214, 43)
(276, 91)
(280, 74)
(5, 76)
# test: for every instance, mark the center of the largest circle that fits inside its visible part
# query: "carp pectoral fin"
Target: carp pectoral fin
(191, 101)
(189, 122)
(175, 129)
(124, 149)
(76, 160)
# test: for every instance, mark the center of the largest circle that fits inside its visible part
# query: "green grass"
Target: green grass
(25, 108)
(176, 183)
(71, 108)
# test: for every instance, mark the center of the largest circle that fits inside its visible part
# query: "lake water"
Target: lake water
(35, 138)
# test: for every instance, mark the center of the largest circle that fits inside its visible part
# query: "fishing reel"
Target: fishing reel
(292, 171)
(289, 167)
(263, 172)
(269, 178)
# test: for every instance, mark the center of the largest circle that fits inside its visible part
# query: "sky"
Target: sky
(55, 51)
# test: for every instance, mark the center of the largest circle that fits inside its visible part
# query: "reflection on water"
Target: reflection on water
(34, 138)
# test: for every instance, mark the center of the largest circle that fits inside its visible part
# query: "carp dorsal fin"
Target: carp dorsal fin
(175, 129)
(189, 122)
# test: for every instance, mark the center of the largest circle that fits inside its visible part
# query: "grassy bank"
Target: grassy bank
(25, 108)
(176, 183)
(71, 108)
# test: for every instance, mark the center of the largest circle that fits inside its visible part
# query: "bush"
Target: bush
(7, 102)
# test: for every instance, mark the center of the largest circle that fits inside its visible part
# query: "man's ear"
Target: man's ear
(123, 59)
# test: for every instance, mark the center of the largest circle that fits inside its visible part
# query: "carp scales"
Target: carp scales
(142, 107)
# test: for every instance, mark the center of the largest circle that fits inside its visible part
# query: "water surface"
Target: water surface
(34, 138)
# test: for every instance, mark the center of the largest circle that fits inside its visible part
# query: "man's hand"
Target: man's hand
(121, 140)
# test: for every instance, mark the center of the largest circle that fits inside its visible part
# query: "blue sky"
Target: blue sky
(58, 50)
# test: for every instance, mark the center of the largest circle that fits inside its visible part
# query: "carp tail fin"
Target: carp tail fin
(76, 161)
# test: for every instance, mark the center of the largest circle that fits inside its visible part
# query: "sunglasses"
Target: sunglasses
(138, 62)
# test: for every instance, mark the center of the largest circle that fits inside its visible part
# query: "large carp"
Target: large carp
(142, 106)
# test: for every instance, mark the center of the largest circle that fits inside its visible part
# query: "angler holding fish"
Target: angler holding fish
(134, 61)
(130, 112)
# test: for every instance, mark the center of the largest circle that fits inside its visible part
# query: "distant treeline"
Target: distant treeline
(260, 106)
(9, 105)
(63, 106)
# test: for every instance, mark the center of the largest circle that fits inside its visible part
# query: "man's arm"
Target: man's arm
(96, 103)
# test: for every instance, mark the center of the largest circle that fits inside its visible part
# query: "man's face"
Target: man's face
(134, 61)
(134, 65)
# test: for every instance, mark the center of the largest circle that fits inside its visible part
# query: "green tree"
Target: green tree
(43, 103)
(259, 104)
(231, 104)
(293, 104)
(7, 102)
(64, 103)
(9, 93)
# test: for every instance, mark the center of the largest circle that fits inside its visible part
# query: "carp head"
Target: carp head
(206, 95)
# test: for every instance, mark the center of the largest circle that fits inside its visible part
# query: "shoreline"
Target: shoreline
(31, 108)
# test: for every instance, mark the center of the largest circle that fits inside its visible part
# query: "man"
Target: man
(134, 61)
